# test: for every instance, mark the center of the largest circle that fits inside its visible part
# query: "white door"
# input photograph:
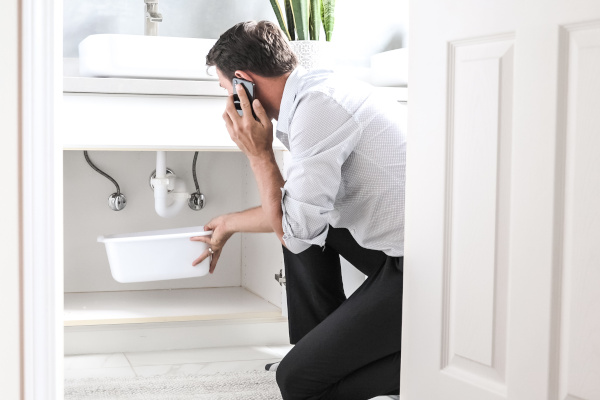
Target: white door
(502, 264)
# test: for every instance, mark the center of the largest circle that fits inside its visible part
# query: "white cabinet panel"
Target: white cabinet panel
(145, 122)
(261, 253)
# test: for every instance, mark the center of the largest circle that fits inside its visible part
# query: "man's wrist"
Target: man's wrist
(266, 157)
(229, 223)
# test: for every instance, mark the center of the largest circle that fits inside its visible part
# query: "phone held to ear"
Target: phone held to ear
(250, 89)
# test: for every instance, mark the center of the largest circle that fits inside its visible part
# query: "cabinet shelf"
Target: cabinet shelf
(167, 305)
(156, 320)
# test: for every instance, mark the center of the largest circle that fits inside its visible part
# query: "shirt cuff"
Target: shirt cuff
(295, 242)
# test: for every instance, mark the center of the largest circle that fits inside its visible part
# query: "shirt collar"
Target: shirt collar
(290, 90)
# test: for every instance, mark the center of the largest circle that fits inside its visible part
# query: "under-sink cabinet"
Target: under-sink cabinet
(122, 123)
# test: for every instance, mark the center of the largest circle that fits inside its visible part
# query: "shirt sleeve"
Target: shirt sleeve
(322, 136)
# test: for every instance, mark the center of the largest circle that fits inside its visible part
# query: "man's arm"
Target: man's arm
(251, 220)
(270, 182)
(255, 139)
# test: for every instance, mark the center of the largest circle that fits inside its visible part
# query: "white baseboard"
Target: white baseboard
(175, 335)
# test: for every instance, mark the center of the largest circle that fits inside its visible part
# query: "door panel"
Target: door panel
(475, 263)
(458, 200)
(480, 103)
(580, 263)
(502, 266)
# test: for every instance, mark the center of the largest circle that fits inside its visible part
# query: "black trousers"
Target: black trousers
(345, 349)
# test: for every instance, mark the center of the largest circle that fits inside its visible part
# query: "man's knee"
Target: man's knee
(283, 376)
(289, 380)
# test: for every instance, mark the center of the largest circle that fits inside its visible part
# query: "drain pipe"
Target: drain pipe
(167, 204)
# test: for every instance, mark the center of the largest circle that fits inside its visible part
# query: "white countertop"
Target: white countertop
(77, 84)
(74, 83)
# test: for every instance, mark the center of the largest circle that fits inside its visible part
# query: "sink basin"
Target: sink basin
(150, 57)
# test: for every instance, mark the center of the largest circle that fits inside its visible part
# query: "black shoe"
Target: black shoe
(272, 366)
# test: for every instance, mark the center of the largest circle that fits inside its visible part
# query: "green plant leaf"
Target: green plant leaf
(301, 15)
(279, 15)
(290, 19)
(315, 19)
(322, 13)
(328, 18)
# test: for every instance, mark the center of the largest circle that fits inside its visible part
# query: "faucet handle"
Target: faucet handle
(154, 17)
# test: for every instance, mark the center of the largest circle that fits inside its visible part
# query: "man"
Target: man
(344, 196)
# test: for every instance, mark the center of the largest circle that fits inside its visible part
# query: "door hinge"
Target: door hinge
(280, 278)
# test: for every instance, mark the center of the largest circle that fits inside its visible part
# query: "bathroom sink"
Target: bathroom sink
(150, 57)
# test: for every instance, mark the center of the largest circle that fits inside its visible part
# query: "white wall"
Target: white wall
(361, 28)
(10, 284)
(366, 28)
(86, 213)
(182, 18)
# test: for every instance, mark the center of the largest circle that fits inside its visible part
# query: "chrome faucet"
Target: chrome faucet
(151, 18)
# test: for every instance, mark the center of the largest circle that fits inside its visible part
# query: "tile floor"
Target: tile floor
(175, 362)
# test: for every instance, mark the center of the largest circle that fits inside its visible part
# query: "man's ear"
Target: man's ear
(243, 75)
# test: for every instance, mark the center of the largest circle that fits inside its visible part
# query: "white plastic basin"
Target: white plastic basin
(137, 56)
(156, 255)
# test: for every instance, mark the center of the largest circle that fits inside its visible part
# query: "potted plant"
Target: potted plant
(304, 19)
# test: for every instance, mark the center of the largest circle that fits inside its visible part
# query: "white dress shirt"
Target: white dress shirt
(348, 158)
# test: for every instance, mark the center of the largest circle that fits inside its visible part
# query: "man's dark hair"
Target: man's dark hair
(259, 47)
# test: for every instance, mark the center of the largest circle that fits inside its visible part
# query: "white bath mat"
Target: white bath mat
(251, 385)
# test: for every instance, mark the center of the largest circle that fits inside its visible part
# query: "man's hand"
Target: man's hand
(254, 138)
(215, 242)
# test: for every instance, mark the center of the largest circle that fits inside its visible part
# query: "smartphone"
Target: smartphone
(250, 90)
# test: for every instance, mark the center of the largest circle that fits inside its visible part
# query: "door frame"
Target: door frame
(41, 193)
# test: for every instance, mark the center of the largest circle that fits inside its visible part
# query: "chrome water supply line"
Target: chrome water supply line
(197, 200)
(117, 200)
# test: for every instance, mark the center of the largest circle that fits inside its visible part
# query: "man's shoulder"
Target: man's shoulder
(326, 89)
(330, 82)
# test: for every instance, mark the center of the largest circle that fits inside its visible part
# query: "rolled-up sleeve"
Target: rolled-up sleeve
(322, 136)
